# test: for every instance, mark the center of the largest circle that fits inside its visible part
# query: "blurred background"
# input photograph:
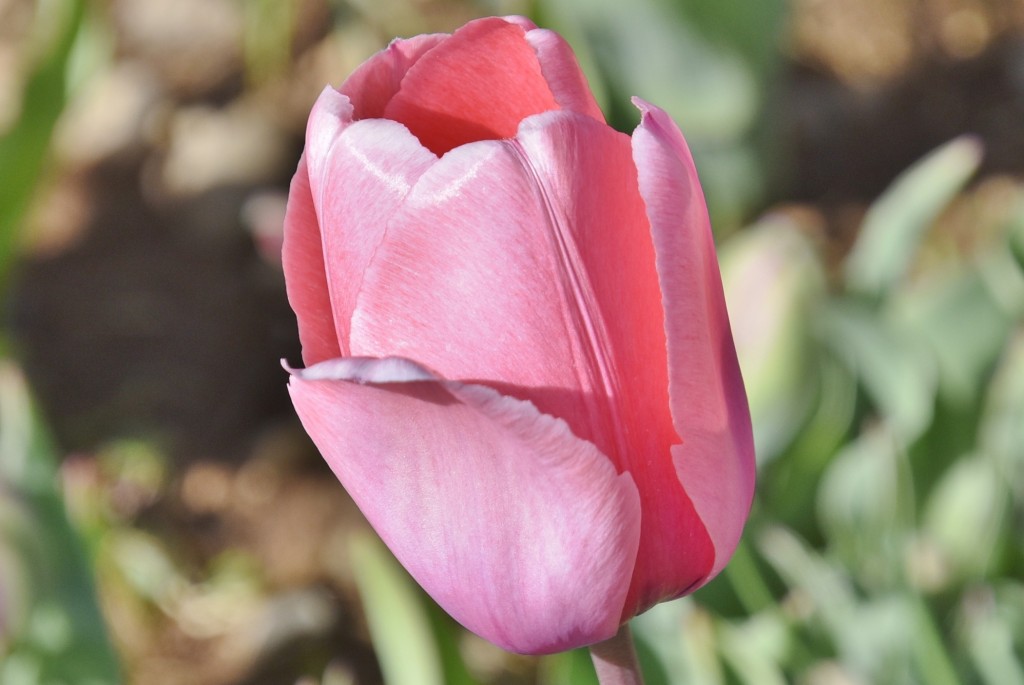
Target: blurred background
(164, 520)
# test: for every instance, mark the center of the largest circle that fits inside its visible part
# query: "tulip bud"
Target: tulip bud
(519, 362)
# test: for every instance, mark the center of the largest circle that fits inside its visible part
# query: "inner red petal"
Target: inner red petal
(477, 85)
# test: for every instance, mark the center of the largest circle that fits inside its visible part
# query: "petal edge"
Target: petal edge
(715, 463)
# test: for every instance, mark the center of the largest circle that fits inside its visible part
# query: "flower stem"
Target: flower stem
(615, 660)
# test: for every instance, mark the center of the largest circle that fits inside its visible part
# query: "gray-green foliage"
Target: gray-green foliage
(706, 63)
(52, 631)
(885, 521)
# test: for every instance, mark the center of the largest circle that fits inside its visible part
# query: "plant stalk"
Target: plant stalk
(615, 660)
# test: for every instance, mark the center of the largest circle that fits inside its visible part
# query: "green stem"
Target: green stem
(615, 660)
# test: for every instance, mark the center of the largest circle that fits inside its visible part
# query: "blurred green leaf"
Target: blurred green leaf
(875, 639)
(756, 648)
(268, 37)
(750, 29)
(1003, 268)
(895, 369)
(993, 623)
(788, 485)
(745, 577)
(965, 515)
(646, 48)
(991, 645)
(896, 222)
(774, 283)
(402, 631)
(446, 632)
(567, 668)
(64, 638)
(1002, 427)
(931, 655)
(1017, 239)
(866, 507)
(827, 591)
(18, 546)
(962, 324)
(649, 51)
(1015, 233)
(145, 565)
(681, 635)
(24, 148)
(651, 666)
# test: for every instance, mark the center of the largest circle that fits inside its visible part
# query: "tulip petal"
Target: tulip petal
(375, 82)
(451, 97)
(359, 172)
(587, 173)
(715, 463)
(331, 114)
(522, 532)
(528, 265)
(305, 275)
(469, 282)
(567, 81)
(302, 250)
(562, 71)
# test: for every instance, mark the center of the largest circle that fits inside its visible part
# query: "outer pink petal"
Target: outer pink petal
(709, 406)
(305, 275)
(477, 85)
(522, 532)
(358, 174)
(588, 177)
(470, 281)
(302, 252)
(375, 82)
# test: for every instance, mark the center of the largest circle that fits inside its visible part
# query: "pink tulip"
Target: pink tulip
(519, 359)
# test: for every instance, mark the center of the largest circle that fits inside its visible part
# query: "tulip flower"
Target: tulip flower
(518, 357)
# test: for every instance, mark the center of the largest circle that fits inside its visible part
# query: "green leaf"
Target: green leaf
(931, 654)
(268, 37)
(62, 635)
(965, 515)
(446, 632)
(399, 625)
(746, 579)
(991, 646)
(963, 325)
(897, 221)
(897, 371)
(788, 485)
(1015, 234)
(1002, 427)
(866, 508)
(877, 639)
(646, 48)
(23, 149)
(749, 28)
(567, 668)
(827, 590)
(756, 648)
(681, 636)
(774, 284)
(991, 618)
